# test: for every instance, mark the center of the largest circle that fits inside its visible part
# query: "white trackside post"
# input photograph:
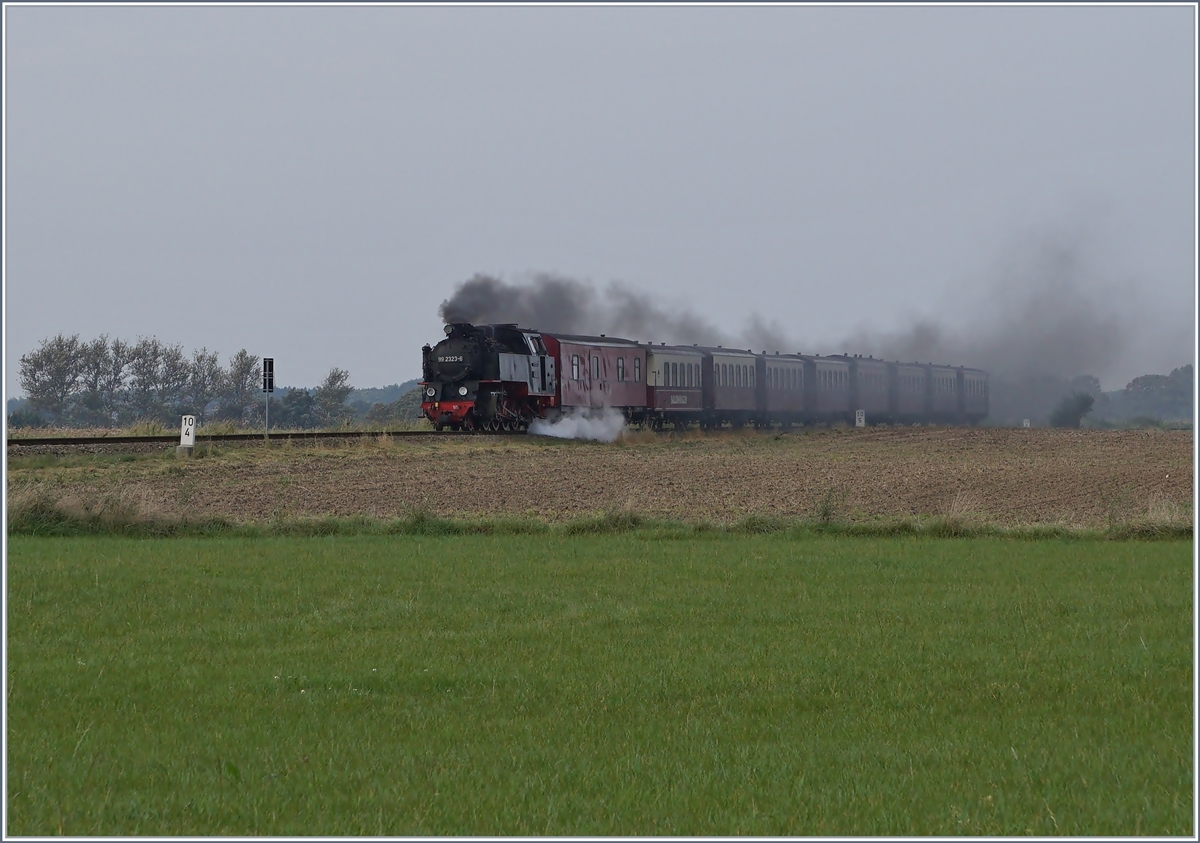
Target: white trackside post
(187, 436)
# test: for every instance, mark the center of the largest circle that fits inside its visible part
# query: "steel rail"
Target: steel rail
(237, 437)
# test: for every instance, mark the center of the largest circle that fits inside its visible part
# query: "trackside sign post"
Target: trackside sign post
(268, 388)
(187, 435)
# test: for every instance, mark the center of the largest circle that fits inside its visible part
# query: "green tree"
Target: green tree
(145, 378)
(1161, 396)
(296, 409)
(90, 408)
(330, 398)
(50, 375)
(239, 398)
(205, 381)
(1071, 411)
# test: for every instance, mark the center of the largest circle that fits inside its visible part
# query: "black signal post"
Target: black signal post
(268, 375)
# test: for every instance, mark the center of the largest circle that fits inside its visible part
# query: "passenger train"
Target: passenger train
(502, 377)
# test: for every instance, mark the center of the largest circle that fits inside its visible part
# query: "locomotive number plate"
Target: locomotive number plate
(451, 358)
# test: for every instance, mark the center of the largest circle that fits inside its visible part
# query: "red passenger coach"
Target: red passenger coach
(868, 386)
(783, 387)
(973, 395)
(943, 393)
(599, 372)
(908, 403)
(674, 393)
(828, 387)
(731, 393)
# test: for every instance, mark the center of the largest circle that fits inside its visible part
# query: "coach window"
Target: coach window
(574, 367)
(596, 368)
(637, 370)
(620, 368)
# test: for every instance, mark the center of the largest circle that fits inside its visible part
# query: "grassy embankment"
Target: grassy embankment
(627, 683)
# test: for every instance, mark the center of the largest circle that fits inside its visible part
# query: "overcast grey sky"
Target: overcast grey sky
(311, 183)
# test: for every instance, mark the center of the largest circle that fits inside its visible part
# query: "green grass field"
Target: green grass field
(612, 684)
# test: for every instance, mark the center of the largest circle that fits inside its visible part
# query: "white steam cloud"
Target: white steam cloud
(598, 426)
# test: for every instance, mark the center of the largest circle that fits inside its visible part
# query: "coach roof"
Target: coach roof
(582, 340)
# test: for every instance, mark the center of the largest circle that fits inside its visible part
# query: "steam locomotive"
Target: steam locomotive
(502, 377)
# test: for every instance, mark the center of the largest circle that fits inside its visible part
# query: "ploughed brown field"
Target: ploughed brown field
(1004, 476)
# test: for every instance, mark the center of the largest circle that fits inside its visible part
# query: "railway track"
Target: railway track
(295, 436)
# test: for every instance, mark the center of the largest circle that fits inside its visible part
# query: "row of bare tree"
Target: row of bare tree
(113, 383)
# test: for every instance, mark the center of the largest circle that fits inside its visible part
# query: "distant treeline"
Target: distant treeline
(69, 382)
(1149, 398)
(110, 383)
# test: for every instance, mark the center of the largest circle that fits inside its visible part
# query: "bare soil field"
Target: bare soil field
(1004, 476)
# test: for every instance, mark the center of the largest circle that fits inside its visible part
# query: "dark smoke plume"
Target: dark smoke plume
(554, 303)
(1047, 325)
(1041, 316)
(1050, 321)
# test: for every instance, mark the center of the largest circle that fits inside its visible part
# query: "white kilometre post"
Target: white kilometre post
(860, 418)
(1024, 422)
(187, 436)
